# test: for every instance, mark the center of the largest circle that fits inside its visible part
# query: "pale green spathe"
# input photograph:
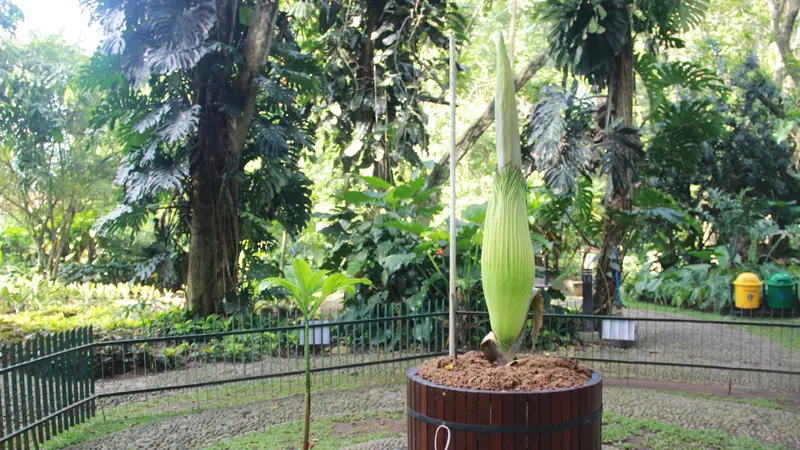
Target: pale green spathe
(507, 261)
(505, 111)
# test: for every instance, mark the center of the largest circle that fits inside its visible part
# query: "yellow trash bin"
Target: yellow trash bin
(747, 288)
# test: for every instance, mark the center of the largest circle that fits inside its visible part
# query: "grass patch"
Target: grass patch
(787, 337)
(657, 435)
(97, 427)
(181, 403)
(289, 435)
(761, 402)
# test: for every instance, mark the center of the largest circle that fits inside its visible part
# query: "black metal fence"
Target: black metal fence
(51, 384)
(47, 387)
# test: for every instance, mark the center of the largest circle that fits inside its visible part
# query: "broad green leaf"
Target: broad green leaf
(424, 195)
(393, 263)
(593, 25)
(357, 198)
(475, 213)
(308, 280)
(405, 191)
(291, 287)
(376, 183)
(411, 227)
(436, 235)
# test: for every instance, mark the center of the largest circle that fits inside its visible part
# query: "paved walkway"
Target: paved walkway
(702, 344)
(781, 426)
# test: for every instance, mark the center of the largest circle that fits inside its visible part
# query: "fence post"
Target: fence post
(588, 300)
(6, 394)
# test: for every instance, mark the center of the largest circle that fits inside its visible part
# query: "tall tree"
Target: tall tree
(594, 40)
(52, 165)
(783, 14)
(201, 88)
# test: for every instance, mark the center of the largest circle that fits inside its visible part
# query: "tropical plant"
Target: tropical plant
(593, 39)
(309, 288)
(208, 97)
(382, 63)
(54, 167)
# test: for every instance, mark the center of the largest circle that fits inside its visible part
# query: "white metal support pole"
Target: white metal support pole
(453, 269)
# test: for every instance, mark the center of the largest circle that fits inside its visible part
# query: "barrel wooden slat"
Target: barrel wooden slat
(508, 421)
(585, 404)
(484, 417)
(460, 402)
(497, 420)
(565, 400)
(430, 411)
(449, 400)
(558, 419)
(520, 420)
(576, 414)
(555, 417)
(546, 418)
(412, 407)
(472, 419)
(533, 419)
(598, 405)
(422, 405)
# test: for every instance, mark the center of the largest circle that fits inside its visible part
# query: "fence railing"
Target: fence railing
(51, 384)
(47, 387)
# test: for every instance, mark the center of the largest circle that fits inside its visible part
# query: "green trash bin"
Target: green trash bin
(780, 291)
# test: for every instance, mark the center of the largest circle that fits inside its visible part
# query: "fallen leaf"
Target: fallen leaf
(449, 367)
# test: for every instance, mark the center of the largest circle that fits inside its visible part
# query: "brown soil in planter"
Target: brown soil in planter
(534, 373)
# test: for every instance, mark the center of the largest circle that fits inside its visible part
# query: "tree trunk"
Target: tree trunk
(59, 243)
(216, 157)
(784, 14)
(214, 244)
(621, 90)
(441, 172)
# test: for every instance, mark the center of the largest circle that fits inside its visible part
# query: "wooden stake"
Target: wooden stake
(452, 194)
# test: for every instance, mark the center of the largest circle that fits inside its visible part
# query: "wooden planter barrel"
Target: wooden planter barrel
(501, 420)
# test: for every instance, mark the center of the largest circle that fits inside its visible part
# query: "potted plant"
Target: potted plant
(309, 288)
(492, 399)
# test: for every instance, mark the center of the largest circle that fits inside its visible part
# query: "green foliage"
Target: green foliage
(381, 61)
(585, 35)
(703, 286)
(10, 14)
(558, 137)
(655, 434)
(55, 169)
(192, 78)
(309, 288)
(383, 237)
